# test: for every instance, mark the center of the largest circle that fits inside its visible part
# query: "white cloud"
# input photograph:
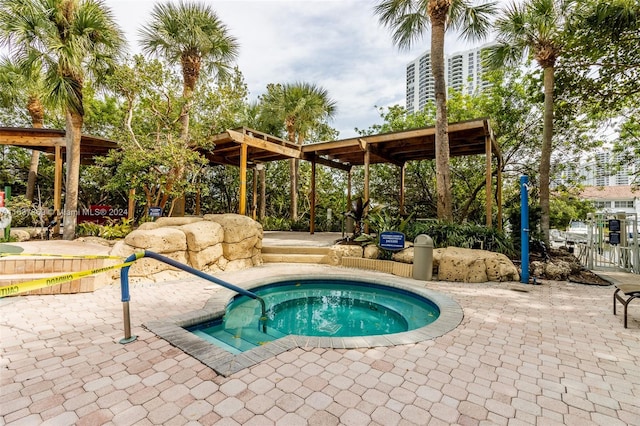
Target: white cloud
(337, 45)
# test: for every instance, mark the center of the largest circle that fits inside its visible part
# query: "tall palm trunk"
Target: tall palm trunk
(190, 74)
(545, 155)
(438, 10)
(73, 137)
(36, 111)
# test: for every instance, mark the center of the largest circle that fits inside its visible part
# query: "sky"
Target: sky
(338, 45)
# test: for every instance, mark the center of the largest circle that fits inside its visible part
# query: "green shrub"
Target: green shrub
(465, 235)
(112, 230)
(276, 224)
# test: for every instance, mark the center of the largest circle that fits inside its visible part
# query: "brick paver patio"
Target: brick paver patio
(554, 354)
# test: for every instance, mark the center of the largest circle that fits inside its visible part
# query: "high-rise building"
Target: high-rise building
(463, 72)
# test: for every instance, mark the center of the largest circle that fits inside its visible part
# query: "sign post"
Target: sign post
(392, 240)
(524, 228)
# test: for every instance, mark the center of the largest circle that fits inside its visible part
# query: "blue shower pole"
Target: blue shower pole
(524, 228)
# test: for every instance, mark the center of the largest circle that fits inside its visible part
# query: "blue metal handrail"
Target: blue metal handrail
(126, 297)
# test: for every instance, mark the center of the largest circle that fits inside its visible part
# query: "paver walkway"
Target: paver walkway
(554, 354)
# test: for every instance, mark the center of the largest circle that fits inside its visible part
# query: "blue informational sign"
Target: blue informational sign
(155, 211)
(392, 240)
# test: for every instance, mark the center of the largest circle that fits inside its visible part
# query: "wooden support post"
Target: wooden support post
(349, 176)
(263, 191)
(367, 159)
(499, 192)
(254, 208)
(312, 218)
(402, 183)
(57, 190)
(488, 187)
(243, 179)
(131, 207)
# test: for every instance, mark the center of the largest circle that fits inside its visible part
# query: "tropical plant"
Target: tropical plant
(357, 213)
(25, 86)
(465, 235)
(152, 158)
(72, 40)
(111, 230)
(535, 28)
(409, 20)
(302, 109)
(191, 34)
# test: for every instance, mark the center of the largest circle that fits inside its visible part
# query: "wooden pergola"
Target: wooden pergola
(53, 142)
(247, 148)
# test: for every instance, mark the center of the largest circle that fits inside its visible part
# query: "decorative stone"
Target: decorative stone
(176, 221)
(237, 227)
(468, 265)
(223, 242)
(403, 256)
(371, 252)
(19, 235)
(201, 259)
(238, 264)
(202, 234)
(344, 250)
(161, 240)
(146, 267)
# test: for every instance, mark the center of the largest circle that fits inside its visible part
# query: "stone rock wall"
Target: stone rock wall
(449, 264)
(213, 243)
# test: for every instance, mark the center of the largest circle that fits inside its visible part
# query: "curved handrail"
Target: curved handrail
(126, 296)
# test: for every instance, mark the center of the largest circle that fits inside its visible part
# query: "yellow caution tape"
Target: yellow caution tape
(13, 289)
(69, 256)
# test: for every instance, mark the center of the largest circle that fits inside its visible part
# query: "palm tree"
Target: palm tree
(192, 34)
(15, 83)
(409, 20)
(301, 108)
(72, 40)
(535, 29)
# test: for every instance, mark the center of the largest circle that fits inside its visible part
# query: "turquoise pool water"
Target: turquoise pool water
(318, 307)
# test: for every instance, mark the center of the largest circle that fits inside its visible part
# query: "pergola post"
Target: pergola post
(254, 207)
(131, 205)
(489, 192)
(402, 183)
(263, 191)
(499, 191)
(312, 218)
(367, 159)
(243, 179)
(57, 188)
(349, 176)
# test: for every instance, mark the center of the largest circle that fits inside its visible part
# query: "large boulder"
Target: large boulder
(242, 235)
(202, 234)
(474, 266)
(203, 258)
(344, 250)
(19, 235)
(403, 256)
(221, 242)
(161, 240)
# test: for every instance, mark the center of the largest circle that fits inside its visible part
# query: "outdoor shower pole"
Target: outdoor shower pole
(524, 228)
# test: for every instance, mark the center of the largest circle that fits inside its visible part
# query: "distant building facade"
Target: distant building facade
(609, 183)
(463, 72)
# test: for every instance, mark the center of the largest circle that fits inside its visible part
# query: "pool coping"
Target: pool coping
(173, 329)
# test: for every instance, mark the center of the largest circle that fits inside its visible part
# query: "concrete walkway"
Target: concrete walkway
(551, 354)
